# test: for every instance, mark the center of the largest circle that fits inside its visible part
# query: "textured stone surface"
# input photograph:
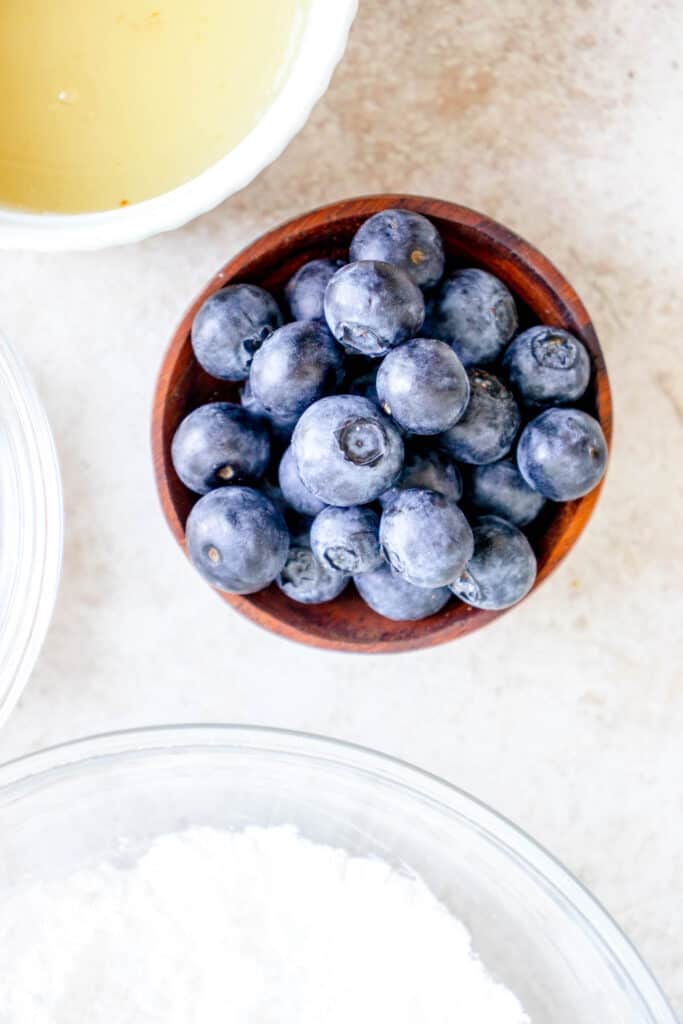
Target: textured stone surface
(562, 120)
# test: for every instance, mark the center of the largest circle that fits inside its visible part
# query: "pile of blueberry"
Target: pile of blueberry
(393, 396)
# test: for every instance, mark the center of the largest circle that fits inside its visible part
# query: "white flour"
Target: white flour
(259, 927)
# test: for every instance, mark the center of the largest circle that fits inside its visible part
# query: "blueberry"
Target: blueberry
(305, 290)
(347, 539)
(499, 489)
(423, 385)
(406, 239)
(502, 569)
(237, 539)
(390, 596)
(298, 523)
(489, 425)
(427, 468)
(562, 454)
(281, 427)
(347, 451)
(476, 314)
(547, 366)
(304, 579)
(372, 306)
(220, 443)
(425, 537)
(295, 492)
(230, 326)
(366, 385)
(295, 366)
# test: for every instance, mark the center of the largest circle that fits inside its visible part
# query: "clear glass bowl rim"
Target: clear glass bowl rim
(600, 929)
(41, 505)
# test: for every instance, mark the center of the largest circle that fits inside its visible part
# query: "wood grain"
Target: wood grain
(470, 239)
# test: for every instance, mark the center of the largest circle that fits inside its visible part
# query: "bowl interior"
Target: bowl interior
(469, 240)
(535, 929)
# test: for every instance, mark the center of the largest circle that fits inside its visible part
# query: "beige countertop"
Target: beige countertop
(563, 120)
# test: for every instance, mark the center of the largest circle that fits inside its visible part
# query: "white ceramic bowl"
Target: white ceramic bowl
(534, 926)
(30, 527)
(321, 45)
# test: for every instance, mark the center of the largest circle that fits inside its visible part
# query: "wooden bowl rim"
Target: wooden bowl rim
(528, 261)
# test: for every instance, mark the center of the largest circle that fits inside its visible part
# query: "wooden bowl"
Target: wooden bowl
(470, 239)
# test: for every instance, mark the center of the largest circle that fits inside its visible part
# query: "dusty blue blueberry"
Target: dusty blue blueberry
(305, 579)
(476, 314)
(281, 427)
(230, 326)
(394, 598)
(423, 385)
(502, 569)
(305, 290)
(499, 489)
(406, 239)
(347, 450)
(489, 424)
(237, 539)
(347, 539)
(562, 454)
(294, 491)
(220, 443)
(428, 468)
(298, 524)
(295, 366)
(372, 306)
(547, 366)
(425, 537)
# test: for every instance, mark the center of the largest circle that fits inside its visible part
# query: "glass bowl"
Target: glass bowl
(534, 926)
(30, 527)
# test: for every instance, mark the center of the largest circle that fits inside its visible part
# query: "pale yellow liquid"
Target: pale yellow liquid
(104, 103)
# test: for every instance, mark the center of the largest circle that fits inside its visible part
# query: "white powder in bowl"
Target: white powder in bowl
(256, 927)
